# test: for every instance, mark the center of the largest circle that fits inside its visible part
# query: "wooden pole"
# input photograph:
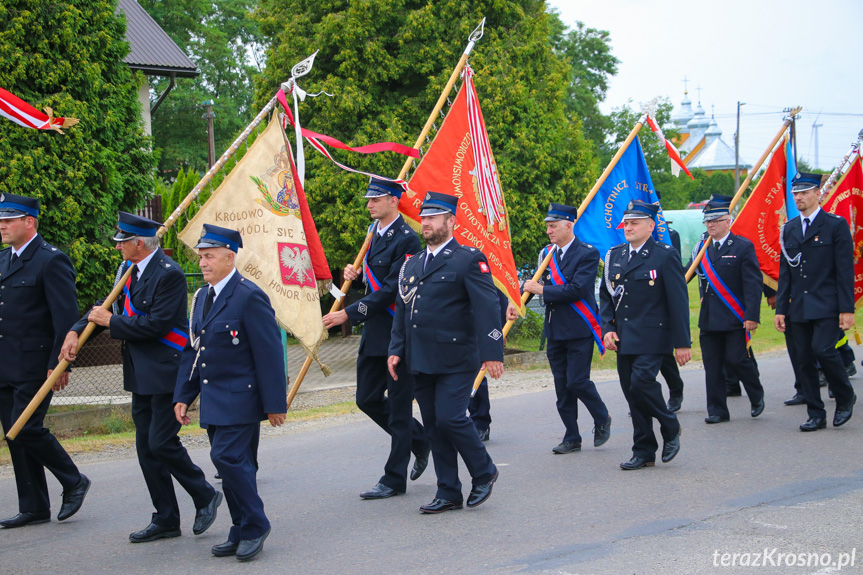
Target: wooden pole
(474, 37)
(115, 293)
(691, 271)
(542, 266)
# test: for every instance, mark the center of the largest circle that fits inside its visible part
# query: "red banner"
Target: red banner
(763, 216)
(449, 167)
(846, 200)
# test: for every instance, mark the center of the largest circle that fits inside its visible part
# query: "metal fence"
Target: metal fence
(97, 374)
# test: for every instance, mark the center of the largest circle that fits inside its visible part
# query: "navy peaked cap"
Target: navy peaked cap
(216, 237)
(561, 213)
(12, 206)
(130, 227)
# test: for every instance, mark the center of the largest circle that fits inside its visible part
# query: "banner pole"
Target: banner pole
(792, 113)
(542, 266)
(346, 285)
(115, 293)
(832, 181)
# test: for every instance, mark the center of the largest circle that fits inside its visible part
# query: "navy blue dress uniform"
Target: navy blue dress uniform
(387, 402)
(722, 335)
(235, 362)
(570, 338)
(150, 317)
(669, 369)
(447, 323)
(479, 406)
(645, 301)
(816, 284)
(37, 305)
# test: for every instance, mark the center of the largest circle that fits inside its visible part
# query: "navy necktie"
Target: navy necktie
(14, 257)
(208, 303)
(428, 261)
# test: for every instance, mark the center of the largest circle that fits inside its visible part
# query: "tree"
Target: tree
(386, 61)
(69, 56)
(223, 41)
(588, 52)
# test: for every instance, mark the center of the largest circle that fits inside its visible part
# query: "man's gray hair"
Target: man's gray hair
(150, 244)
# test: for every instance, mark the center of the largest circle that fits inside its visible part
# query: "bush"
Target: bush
(526, 328)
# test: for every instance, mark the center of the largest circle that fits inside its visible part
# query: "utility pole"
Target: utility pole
(815, 127)
(209, 115)
(737, 148)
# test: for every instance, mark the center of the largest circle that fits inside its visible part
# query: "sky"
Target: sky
(766, 53)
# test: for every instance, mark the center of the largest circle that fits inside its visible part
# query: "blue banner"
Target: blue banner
(600, 224)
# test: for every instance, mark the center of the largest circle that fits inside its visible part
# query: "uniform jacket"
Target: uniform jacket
(675, 240)
(822, 285)
(451, 324)
(737, 266)
(579, 266)
(240, 382)
(652, 315)
(38, 304)
(149, 365)
(385, 258)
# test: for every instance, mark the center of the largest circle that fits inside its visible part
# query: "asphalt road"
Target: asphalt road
(741, 487)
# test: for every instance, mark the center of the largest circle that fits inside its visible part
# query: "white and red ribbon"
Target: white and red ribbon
(676, 161)
(317, 140)
(23, 114)
(490, 193)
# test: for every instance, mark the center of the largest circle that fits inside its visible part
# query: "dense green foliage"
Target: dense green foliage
(386, 62)
(222, 40)
(588, 52)
(69, 56)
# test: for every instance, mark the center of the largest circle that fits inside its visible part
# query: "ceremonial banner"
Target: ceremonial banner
(763, 215)
(460, 162)
(601, 222)
(846, 200)
(23, 114)
(263, 200)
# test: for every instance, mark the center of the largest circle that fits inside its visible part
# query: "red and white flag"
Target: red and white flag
(23, 114)
(676, 161)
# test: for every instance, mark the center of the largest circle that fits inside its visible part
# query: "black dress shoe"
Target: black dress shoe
(822, 378)
(226, 549)
(567, 447)
(796, 400)
(73, 499)
(601, 433)
(813, 424)
(851, 369)
(843, 413)
(674, 404)
(248, 549)
(379, 491)
(671, 449)
(483, 434)
(757, 408)
(439, 506)
(636, 463)
(715, 419)
(205, 516)
(23, 519)
(479, 493)
(217, 476)
(420, 464)
(153, 532)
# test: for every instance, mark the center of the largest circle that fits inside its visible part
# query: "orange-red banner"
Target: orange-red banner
(763, 216)
(448, 167)
(846, 200)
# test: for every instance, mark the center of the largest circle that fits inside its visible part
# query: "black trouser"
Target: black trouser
(35, 449)
(727, 349)
(644, 394)
(479, 407)
(816, 340)
(569, 360)
(443, 403)
(671, 373)
(393, 412)
(162, 455)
